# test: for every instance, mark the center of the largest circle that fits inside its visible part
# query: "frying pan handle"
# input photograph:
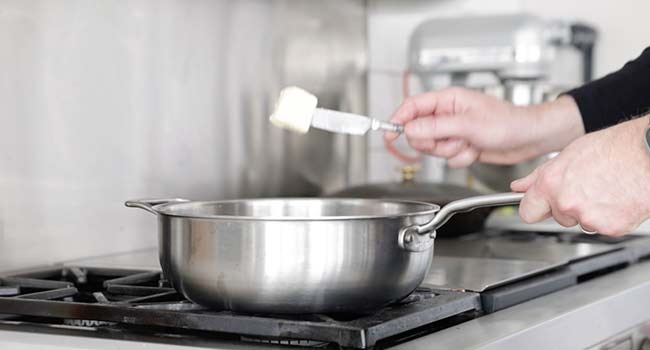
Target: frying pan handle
(148, 204)
(418, 238)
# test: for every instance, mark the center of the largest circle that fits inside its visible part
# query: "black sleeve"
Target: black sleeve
(617, 96)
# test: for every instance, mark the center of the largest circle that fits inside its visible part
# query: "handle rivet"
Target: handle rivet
(408, 238)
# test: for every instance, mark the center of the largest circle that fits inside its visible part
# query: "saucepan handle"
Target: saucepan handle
(417, 238)
(148, 204)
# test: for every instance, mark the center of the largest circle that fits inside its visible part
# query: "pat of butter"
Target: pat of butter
(294, 109)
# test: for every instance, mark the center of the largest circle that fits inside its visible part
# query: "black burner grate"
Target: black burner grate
(91, 297)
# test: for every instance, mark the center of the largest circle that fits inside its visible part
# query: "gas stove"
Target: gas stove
(115, 298)
(471, 278)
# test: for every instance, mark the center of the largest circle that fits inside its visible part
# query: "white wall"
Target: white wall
(95, 103)
(623, 27)
(104, 101)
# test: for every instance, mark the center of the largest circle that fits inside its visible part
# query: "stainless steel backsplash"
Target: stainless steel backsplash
(103, 101)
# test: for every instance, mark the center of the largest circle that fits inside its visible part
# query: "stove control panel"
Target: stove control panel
(635, 338)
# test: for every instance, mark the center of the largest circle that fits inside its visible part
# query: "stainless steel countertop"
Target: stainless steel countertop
(477, 274)
(481, 263)
(573, 318)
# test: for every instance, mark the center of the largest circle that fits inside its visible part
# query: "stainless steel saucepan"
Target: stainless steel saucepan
(300, 255)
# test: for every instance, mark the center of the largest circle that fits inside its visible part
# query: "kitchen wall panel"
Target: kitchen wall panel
(103, 101)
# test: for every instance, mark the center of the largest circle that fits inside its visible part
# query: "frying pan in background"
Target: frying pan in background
(434, 193)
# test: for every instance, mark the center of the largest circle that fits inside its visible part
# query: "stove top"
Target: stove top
(103, 297)
(470, 277)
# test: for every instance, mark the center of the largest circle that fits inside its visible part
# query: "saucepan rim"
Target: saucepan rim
(167, 210)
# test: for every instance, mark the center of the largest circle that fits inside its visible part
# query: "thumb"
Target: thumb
(523, 184)
(390, 136)
(438, 127)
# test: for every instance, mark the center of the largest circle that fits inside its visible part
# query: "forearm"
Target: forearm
(602, 103)
(553, 125)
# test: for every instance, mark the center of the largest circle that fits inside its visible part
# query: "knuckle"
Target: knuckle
(568, 206)
(409, 106)
(546, 182)
(564, 220)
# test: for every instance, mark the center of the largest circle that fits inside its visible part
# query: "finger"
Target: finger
(562, 219)
(390, 136)
(399, 155)
(449, 148)
(523, 184)
(534, 207)
(416, 106)
(443, 149)
(438, 127)
(424, 146)
(463, 159)
(502, 157)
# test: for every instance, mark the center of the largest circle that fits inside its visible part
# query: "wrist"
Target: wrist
(557, 122)
(633, 135)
